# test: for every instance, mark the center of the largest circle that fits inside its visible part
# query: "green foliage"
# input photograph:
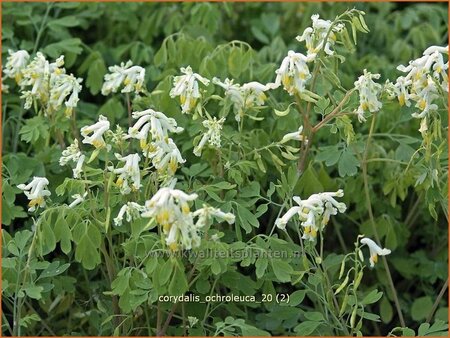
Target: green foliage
(75, 271)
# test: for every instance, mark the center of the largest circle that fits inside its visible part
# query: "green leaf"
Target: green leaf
(306, 328)
(372, 297)
(88, 244)
(34, 129)
(282, 270)
(178, 285)
(34, 291)
(246, 219)
(72, 45)
(421, 308)
(54, 269)
(386, 311)
(348, 164)
(261, 266)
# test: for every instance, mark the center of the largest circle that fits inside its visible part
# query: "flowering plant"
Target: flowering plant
(220, 189)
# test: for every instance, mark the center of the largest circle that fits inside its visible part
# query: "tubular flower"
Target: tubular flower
(61, 86)
(170, 208)
(212, 136)
(130, 171)
(244, 97)
(165, 156)
(296, 135)
(315, 36)
(293, 73)
(77, 199)
(375, 250)
(15, 64)
(132, 77)
(314, 212)
(423, 78)
(38, 74)
(208, 213)
(368, 92)
(73, 154)
(158, 124)
(36, 192)
(97, 130)
(132, 211)
(186, 87)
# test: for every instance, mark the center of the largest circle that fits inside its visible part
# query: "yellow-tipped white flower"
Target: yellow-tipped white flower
(315, 36)
(132, 77)
(131, 210)
(155, 123)
(212, 135)
(73, 154)
(36, 192)
(166, 156)
(129, 172)
(368, 94)
(293, 73)
(314, 212)
(78, 199)
(38, 75)
(375, 250)
(97, 130)
(15, 64)
(170, 208)
(244, 97)
(296, 135)
(207, 213)
(186, 87)
(62, 86)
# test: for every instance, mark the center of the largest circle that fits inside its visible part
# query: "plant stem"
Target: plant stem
(41, 29)
(374, 227)
(436, 302)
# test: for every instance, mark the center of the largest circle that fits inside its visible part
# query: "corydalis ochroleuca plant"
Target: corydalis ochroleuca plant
(170, 208)
(314, 213)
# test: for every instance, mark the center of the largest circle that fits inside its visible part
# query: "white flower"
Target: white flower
(170, 208)
(186, 87)
(61, 86)
(77, 199)
(315, 36)
(130, 171)
(368, 94)
(38, 74)
(97, 130)
(244, 97)
(212, 135)
(131, 76)
(132, 211)
(375, 250)
(15, 64)
(5, 87)
(314, 212)
(165, 156)
(296, 135)
(79, 167)
(36, 192)
(207, 213)
(420, 82)
(71, 153)
(155, 123)
(293, 73)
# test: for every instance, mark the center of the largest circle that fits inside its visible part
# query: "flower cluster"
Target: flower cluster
(170, 208)
(186, 87)
(73, 154)
(132, 77)
(212, 135)
(152, 129)
(131, 210)
(293, 73)
(129, 172)
(314, 212)
(368, 94)
(322, 35)
(244, 97)
(424, 78)
(36, 192)
(96, 130)
(50, 85)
